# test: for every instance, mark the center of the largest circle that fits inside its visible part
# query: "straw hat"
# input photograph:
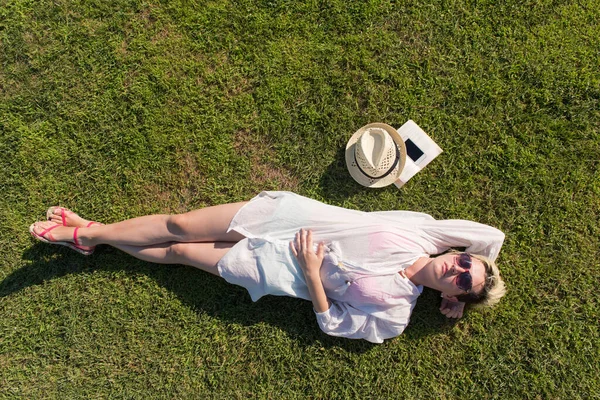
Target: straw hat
(375, 155)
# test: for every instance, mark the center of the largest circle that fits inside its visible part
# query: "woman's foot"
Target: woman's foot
(51, 232)
(64, 216)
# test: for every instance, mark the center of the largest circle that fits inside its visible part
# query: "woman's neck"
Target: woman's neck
(412, 272)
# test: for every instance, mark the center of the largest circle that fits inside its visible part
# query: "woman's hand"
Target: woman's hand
(309, 260)
(452, 308)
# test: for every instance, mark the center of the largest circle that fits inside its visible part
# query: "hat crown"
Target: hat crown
(375, 152)
(375, 155)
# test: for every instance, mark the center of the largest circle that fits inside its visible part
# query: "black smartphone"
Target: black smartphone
(413, 151)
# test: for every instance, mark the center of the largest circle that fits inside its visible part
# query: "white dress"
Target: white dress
(369, 298)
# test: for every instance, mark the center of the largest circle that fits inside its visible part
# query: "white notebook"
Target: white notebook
(420, 149)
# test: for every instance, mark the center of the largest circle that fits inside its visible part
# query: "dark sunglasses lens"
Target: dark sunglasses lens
(464, 281)
(464, 261)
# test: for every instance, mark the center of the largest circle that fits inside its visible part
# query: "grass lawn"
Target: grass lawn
(119, 108)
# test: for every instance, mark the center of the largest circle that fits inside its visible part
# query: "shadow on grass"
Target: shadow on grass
(205, 293)
(336, 184)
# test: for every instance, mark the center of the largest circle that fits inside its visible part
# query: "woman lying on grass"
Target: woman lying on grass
(363, 277)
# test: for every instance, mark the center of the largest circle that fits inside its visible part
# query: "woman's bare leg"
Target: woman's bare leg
(204, 225)
(204, 256)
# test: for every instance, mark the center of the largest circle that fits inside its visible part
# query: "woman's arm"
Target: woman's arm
(311, 262)
(475, 237)
(338, 318)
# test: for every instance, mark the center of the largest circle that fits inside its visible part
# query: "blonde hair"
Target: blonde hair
(493, 289)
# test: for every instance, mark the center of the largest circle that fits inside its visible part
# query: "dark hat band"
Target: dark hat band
(389, 171)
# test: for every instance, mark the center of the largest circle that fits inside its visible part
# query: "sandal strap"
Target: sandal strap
(62, 216)
(77, 244)
(45, 231)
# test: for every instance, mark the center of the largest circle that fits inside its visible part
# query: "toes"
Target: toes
(65, 217)
(61, 215)
(44, 224)
(41, 226)
(53, 213)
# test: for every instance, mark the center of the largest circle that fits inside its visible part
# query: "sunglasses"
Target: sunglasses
(464, 280)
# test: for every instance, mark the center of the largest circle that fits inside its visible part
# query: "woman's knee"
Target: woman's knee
(204, 256)
(178, 253)
(177, 224)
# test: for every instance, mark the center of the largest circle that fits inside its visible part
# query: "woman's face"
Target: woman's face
(442, 272)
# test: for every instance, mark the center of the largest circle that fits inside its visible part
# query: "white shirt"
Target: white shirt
(365, 253)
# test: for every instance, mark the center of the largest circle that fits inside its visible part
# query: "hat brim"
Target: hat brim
(358, 175)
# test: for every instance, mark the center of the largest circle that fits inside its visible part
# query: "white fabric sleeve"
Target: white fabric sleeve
(475, 237)
(401, 216)
(343, 320)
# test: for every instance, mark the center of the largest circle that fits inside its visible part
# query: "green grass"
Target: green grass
(123, 108)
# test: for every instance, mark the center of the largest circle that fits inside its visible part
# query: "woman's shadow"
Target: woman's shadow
(208, 294)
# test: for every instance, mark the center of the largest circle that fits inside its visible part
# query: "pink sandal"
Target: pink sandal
(46, 237)
(63, 213)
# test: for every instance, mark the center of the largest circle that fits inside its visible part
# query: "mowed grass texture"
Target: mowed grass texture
(124, 108)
